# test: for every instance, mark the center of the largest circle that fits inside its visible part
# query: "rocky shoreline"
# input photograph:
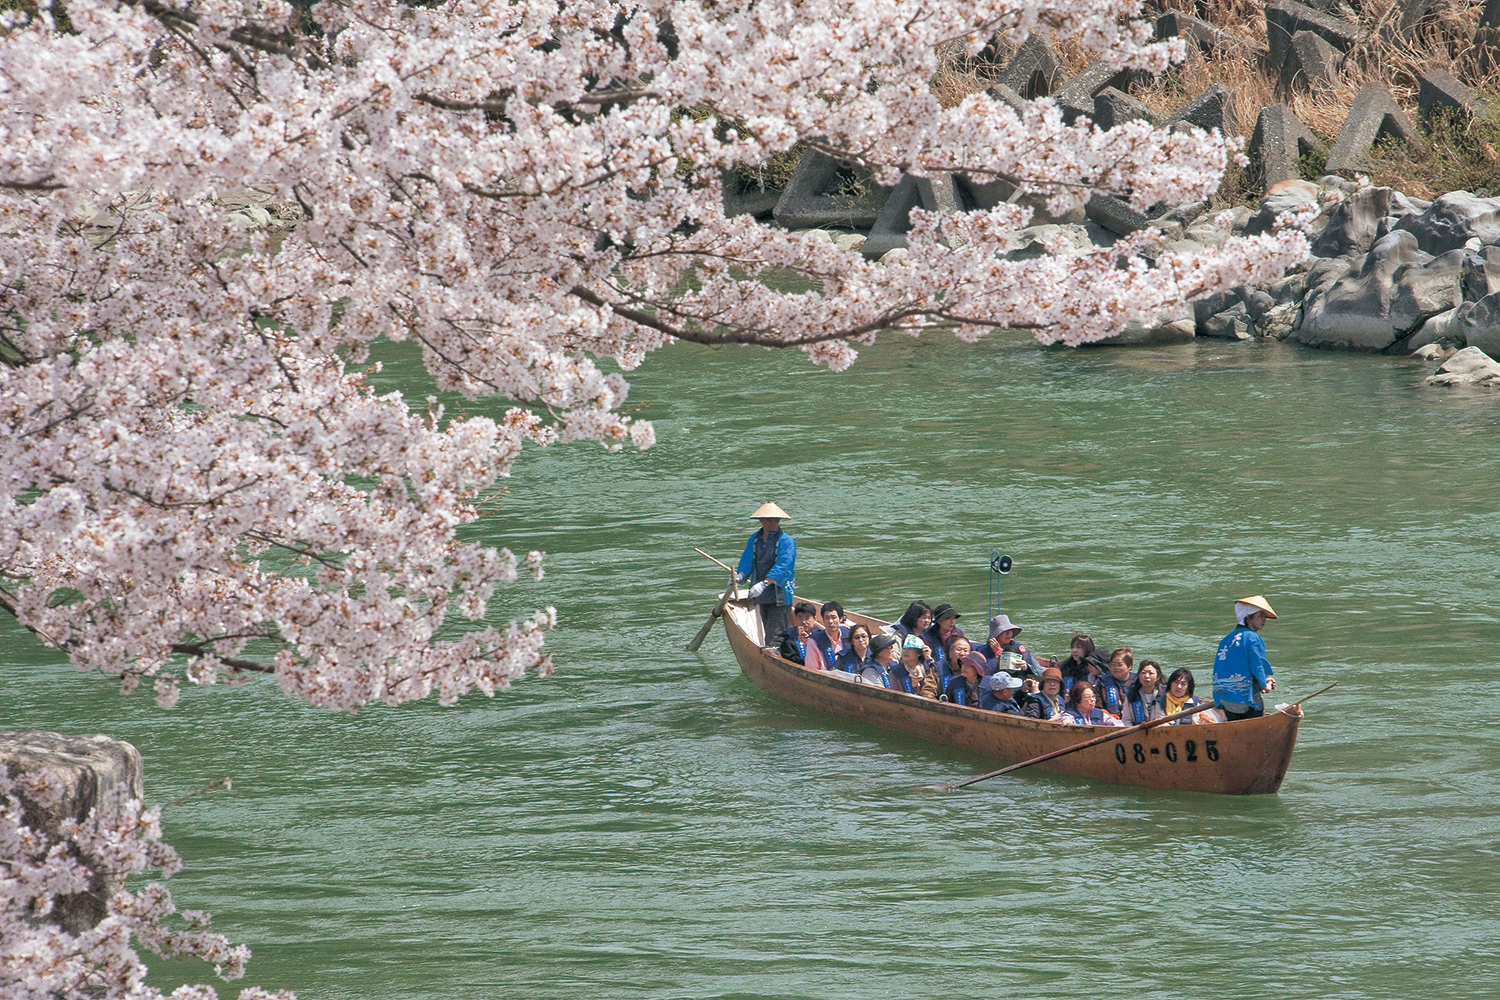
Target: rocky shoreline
(1389, 273)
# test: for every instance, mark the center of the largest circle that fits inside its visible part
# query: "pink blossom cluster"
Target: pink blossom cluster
(39, 960)
(198, 478)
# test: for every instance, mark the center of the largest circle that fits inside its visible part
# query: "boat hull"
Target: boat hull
(1248, 757)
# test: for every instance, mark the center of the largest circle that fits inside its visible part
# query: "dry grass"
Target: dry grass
(1240, 73)
(1458, 155)
(958, 76)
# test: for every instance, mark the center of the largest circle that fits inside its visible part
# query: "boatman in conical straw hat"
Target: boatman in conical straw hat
(1241, 671)
(769, 559)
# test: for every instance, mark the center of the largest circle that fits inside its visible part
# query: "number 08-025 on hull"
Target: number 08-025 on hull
(1249, 757)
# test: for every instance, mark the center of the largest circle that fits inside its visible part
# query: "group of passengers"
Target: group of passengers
(927, 654)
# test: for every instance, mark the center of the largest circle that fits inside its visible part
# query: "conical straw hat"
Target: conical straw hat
(770, 510)
(1258, 602)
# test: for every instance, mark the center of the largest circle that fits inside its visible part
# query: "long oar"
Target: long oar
(732, 589)
(692, 647)
(712, 559)
(1319, 691)
(1106, 738)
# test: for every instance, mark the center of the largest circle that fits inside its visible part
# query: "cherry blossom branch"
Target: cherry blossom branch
(234, 663)
(42, 868)
(40, 184)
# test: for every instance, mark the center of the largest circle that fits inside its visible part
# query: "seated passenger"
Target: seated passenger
(1180, 698)
(1111, 688)
(956, 649)
(962, 687)
(857, 652)
(795, 639)
(1146, 694)
(1005, 653)
(832, 639)
(910, 675)
(1083, 708)
(1048, 702)
(877, 669)
(918, 616)
(944, 624)
(1075, 667)
(998, 693)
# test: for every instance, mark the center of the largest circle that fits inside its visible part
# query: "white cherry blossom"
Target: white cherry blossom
(199, 480)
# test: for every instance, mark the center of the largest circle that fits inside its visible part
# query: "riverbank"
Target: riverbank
(1397, 96)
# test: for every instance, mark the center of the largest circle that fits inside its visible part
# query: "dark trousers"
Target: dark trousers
(1255, 712)
(776, 618)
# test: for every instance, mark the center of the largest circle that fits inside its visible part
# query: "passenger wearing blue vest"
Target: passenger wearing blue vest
(1112, 689)
(856, 652)
(1241, 671)
(944, 626)
(1083, 708)
(911, 675)
(957, 649)
(962, 687)
(1180, 698)
(918, 616)
(1005, 652)
(998, 693)
(1147, 694)
(877, 670)
(769, 559)
(795, 639)
(833, 637)
(1077, 666)
(1047, 703)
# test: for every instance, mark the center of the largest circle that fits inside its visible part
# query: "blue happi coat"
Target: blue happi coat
(1240, 669)
(780, 573)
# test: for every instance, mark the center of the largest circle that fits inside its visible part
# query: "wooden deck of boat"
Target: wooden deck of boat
(1248, 757)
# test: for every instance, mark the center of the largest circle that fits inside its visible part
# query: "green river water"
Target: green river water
(647, 824)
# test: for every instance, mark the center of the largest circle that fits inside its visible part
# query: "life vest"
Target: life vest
(1111, 694)
(1193, 701)
(901, 680)
(793, 648)
(939, 654)
(825, 645)
(849, 661)
(1050, 708)
(1005, 706)
(956, 690)
(1094, 718)
(871, 673)
(1139, 706)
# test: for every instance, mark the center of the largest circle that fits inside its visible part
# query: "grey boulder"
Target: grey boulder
(1369, 303)
(1452, 220)
(1470, 366)
(1354, 224)
(1292, 195)
(87, 767)
(1475, 324)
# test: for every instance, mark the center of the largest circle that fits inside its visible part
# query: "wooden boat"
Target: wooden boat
(1247, 757)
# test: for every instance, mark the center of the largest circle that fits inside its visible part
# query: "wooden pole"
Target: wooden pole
(731, 589)
(1319, 691)
(1106, 738)
(713, 560)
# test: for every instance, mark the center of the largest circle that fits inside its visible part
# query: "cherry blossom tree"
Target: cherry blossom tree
(199, 480)
(195, 463)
